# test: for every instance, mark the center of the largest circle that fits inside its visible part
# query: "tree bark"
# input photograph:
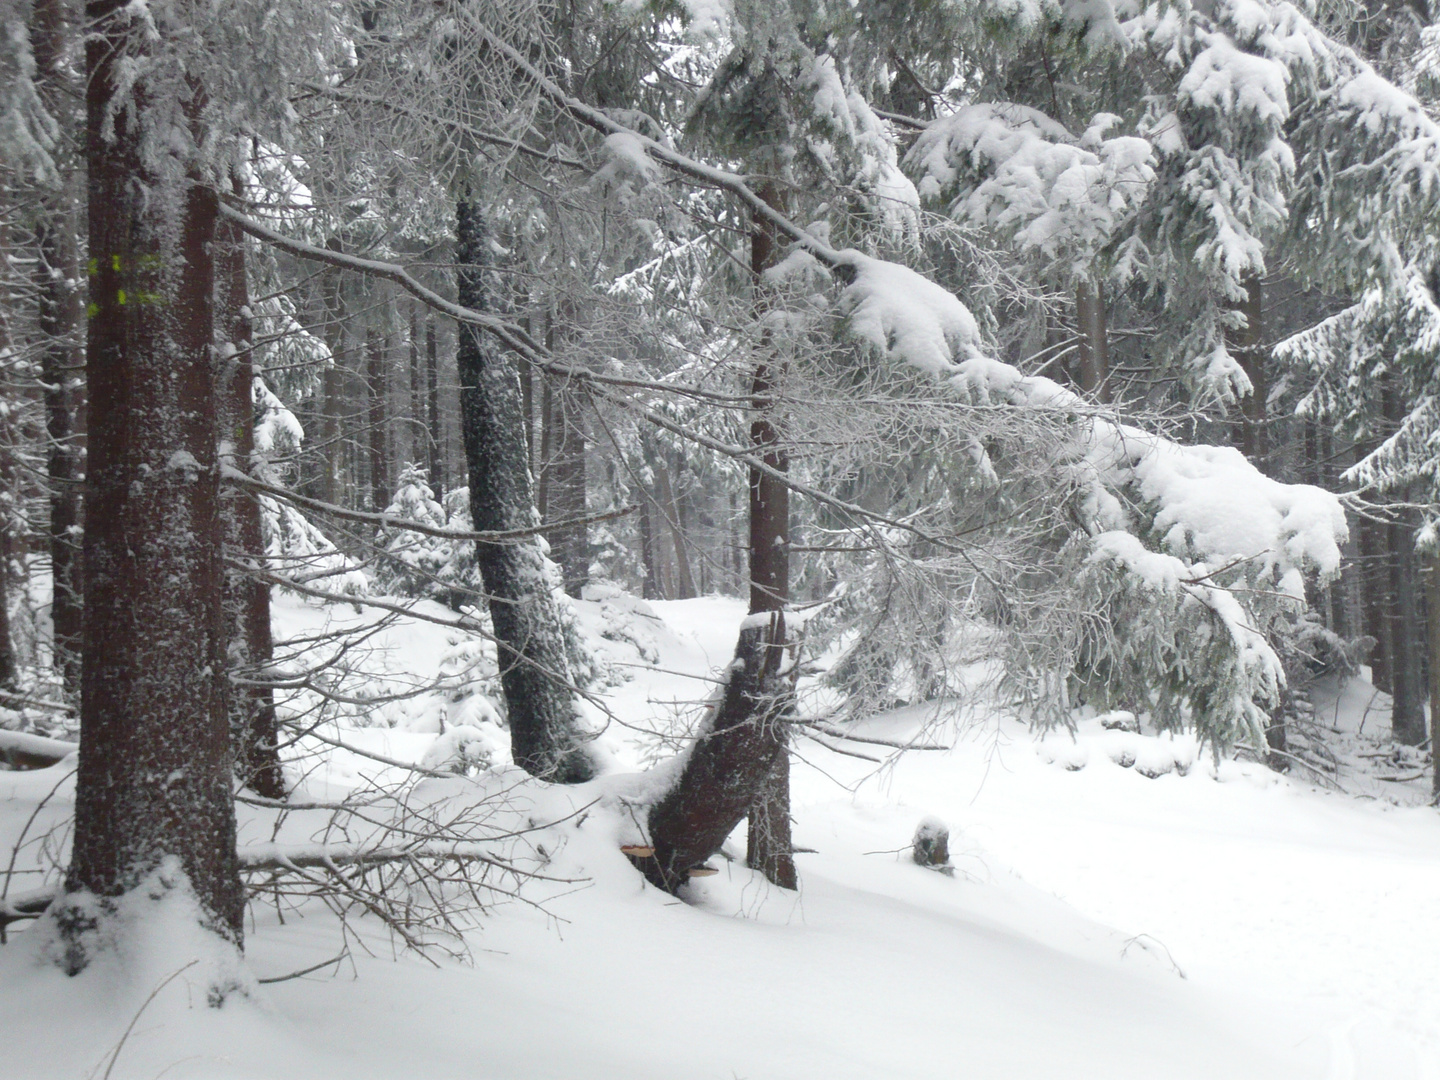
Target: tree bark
(9, 661)
(59, 319)
(251, 643)
(1432, 602)
(564, 438)
(58, 286)
(1090, 316)
(668, 507)
(768, 848)
(740, 751)
(1249, 351)
(1376, 600)
(432, 391)
(376, 385)
(650, 588)
(544, 737)
(153, 788)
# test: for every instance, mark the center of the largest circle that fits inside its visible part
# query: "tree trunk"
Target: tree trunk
(432, 390)
(1407, 694)
(1376, 601)
(332, 388)
(247, 599)
(565, 483)
(668, 507)
(376, 385)
(57, 283)
(534, 671)
(9, 661)
(768, 847)
(741, 750)
(650, 588)
(1249, 351)
(1432, 602)
(59, 319)
(1094, 339)
(153, 788)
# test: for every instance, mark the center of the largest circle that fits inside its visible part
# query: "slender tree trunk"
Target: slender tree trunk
(769, 844)
(1432, 602)
(9, 661)
(332, 387)
(534, 671)
(432, 391)
(669, 508)
(650, 589)
(153, 789)
(1249, 351)
(57, 283)
(376, 384)
(59, 319)
(1376, 600)
(1407, 694)
(419, 442)
(1090, 315)
(564, 472)
(247, 599)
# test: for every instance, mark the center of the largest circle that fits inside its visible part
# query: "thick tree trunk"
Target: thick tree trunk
(534, 671)
(768, 847)
(1090, 317)
(376, 387)
(247, 598)
(153, 789)
(741, 750)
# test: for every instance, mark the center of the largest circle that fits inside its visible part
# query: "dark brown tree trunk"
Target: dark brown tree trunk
(247, 598)
(741, 750)
(376, 387)
(333, 400)
(769, 847)
(534, 671)
(432, 391)
(153, 789)
(1090, 317)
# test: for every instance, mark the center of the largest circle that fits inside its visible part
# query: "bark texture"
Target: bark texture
(153, 788)
(740, 749)
(534, 672)
(768, 846)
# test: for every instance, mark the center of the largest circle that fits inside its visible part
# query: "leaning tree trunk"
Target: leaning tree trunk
(740, 750)
(769, 844)
(153, 788)
(247, 598)
(534, 672)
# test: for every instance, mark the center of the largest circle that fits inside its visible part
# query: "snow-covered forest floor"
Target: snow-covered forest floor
(1099, 923)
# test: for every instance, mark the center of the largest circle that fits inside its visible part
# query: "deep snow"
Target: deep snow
(1306, 924)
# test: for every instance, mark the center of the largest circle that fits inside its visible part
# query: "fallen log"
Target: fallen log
(21, 750)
